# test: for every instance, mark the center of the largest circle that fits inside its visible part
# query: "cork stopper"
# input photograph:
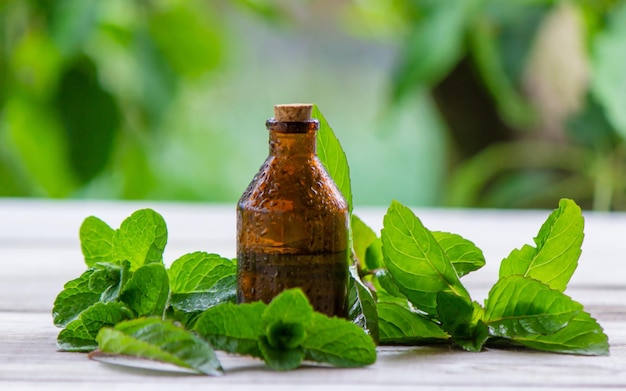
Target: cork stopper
(295, 112)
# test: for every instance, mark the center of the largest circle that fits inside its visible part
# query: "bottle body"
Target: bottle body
(292, 225)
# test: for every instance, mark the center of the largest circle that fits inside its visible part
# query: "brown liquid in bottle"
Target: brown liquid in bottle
(292, 222)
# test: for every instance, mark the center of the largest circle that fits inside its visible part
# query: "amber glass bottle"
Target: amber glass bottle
(292, 222)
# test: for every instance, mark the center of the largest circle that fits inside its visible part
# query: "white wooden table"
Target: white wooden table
(39, 252)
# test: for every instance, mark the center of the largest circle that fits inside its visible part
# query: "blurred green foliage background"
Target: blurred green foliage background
(479, 103)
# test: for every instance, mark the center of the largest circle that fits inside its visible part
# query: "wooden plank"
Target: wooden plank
(55, 224)
(39, 251)
(28, 357)
(50, 221)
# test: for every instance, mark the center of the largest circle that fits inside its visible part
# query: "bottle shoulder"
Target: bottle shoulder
(293, 183)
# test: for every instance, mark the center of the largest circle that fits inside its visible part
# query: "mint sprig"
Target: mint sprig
(555, 258)
(416, 276)
(286, 332)
(526, 306)
(140, 239)
(128, 303)
(419, 266)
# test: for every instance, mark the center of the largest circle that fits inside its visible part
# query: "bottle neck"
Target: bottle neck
(293, 138)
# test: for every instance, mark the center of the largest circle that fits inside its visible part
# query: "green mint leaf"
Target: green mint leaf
(80, 334)
(141, 238)
(582, 335)
(418, 265)
(463, 254)
(361, 305)
(362, 237)
(333, 157)
(285, 336)
(200, 280)
(517, 307)
(199, 271)
(462, 320)
(109, 278)
(386, 287)
(399, 325)
(455, 314)
(281, 331)
(284, 321)
(281, 347)
(147, 291)
(555, 258)
(233, 328)
(224, 291)
(278, 358)
(374, 255)
(102, 282)
(75, 297)
(367, 246)
(338, 342)
(290, 306)
(96, 241)
(156, 339)
(185, 319)
(479, 331)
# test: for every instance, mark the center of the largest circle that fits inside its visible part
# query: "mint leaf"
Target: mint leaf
(291, 306)
(75, 297)
(401, 326)
(366, 244)
(338, 342)
(80, 334)
(200, 280)
(374, 255)
(418, 265)
(362, 237)
(284, 321)
(386, 287)
(233, 328)
(283, 335)
(141, 238)
(96, 241)
(155, 339)
(102, 282)
(294, 330)
(463, 254)
(109, 278)
(185, 319)
(281, 331)
(147, 291)
(333, 157)
(519, 307)
(199, 271)
(361, 305)
(555, 258)
(582, 335)
(281, 359)
(462, 320)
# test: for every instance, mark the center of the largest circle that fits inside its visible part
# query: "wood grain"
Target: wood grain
(40, 251)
